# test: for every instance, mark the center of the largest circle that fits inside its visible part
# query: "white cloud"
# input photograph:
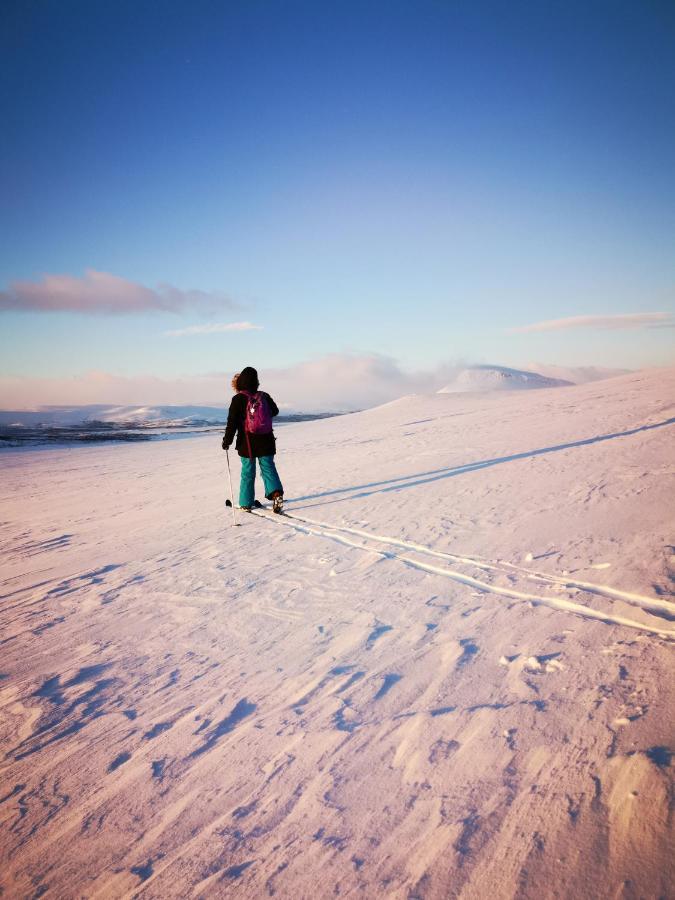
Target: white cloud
(624, 320)
(340, 381)
(104, 294)
(213, 328)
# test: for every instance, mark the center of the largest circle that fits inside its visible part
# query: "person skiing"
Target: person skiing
(250, 417)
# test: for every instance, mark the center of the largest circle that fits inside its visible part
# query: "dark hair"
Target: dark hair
(248, 380)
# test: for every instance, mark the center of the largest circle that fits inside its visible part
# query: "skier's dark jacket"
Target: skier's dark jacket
(249, 445)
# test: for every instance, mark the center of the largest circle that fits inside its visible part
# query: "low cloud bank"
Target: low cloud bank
(347, 382)
(101, 293)
(332, 383)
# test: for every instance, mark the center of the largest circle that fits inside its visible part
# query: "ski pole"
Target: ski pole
(229, 475)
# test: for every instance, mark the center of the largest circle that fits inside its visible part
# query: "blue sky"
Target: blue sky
(407, 179)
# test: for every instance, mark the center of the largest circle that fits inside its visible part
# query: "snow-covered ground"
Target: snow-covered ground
(448, 673)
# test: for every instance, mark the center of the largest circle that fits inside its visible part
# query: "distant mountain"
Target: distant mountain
(498, 378)
(117, 415)
(164, 415)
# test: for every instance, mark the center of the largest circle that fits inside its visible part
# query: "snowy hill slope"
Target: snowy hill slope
(448, 672)
(498, 378)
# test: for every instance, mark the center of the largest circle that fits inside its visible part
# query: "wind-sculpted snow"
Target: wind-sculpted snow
(446, 673)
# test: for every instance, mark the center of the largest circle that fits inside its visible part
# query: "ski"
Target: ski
(267, 512)
(277, 506)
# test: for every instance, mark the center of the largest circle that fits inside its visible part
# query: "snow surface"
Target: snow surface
(498, 378)
(448, 673)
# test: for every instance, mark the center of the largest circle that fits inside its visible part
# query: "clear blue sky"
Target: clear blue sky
(411, 179)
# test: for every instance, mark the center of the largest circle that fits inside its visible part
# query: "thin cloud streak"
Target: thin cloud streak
(100, 293)
(625, 320)
(214, 328)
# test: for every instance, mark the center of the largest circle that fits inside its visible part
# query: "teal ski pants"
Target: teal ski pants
(269, 474)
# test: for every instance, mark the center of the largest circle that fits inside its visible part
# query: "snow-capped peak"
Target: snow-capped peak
(498, 378)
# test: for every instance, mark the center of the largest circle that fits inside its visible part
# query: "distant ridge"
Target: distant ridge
(119, 415)
(498, 378)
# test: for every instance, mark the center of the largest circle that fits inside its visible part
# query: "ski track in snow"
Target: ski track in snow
(333, 532)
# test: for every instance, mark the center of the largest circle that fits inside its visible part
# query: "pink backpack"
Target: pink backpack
(257, 419)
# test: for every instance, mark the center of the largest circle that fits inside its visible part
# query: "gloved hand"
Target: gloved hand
(226, 446)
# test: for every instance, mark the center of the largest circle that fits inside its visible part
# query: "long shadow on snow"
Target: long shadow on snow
(398, 484)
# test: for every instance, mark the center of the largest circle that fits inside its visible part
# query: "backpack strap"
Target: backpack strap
(248, 396)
